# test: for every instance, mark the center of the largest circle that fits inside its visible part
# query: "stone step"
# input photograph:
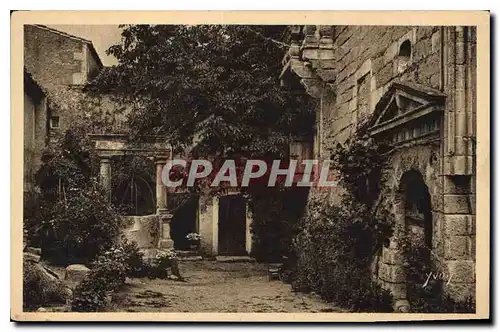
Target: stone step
(187, 253)
(190, 258)
(234, 259)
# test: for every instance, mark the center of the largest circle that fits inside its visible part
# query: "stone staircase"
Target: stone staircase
(188, 255)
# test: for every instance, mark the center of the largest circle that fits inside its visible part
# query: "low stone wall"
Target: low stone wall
(144, 230)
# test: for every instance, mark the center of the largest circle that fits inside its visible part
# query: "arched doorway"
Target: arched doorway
(418, 227)
(417, 204)
(184, 207)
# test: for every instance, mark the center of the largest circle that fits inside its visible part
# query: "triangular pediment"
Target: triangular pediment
(403, 98)
(402, 103)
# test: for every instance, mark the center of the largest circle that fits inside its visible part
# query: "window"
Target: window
(363, 96)
(54, 122)
(404, 55)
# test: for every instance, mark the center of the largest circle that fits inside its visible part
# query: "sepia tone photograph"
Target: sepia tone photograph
(209, 167)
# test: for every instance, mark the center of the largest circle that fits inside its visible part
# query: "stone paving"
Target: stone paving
(213, 286)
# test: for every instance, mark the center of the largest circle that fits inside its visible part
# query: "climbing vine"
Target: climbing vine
(337, 242)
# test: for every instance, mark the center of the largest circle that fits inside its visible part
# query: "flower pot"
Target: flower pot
(194, 245)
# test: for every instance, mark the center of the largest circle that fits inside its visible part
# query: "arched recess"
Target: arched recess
(134, 196)
(414, 212)
(417, 206)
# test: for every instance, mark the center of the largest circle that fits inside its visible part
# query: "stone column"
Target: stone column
(164, 217)
(161, 191)
(391, 272)
(105, 175)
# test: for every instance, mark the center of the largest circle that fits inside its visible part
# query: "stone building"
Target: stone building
(36, 133)
(63, 64)
(59, 61)
(415, 87)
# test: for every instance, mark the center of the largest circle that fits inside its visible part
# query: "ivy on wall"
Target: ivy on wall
(336, 243)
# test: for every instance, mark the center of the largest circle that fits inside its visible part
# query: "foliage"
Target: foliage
(213, 85)
(193, 237)
(275, 213)
(336, 244)
(38, 289)
(359, 162)
(335, 248)
(134, 259)
(108, 273)
(165, 258)
(89, 296)
(71, 218)
(427, 296)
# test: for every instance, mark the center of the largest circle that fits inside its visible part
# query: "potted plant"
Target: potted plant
(193, 240)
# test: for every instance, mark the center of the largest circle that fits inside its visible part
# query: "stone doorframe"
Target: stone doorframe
(215, 223)
(110, 146)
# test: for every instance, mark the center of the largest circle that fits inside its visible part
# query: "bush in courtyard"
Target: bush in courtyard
(71, 218)
(89, 296)
(39, 289)
(82, 226)
(334, 250)
(108, 273)
(134, 259)
(275, 214)
(336, 243)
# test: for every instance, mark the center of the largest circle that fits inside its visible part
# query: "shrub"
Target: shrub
(108, 273)
(432, 298)
(39, 289)
(81, 227)
(275, 214)
(110, 268)
(71, 219)
(334, 251)
(89, 296)
(335, 244)
(134, 259)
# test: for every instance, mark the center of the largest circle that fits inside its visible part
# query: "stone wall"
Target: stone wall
(366, 62)
(61, 63)
(144, 230)
(55, 58)
(100, 112)
(208, 207)
(348, 69)
(35, 137)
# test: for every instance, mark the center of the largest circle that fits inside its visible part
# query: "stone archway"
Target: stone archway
(417, 207)
(417, 225)
(112, 146)
(412, 210)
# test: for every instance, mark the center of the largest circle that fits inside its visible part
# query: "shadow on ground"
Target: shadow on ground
(216, 287)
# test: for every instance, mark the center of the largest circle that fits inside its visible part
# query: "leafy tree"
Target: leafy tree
(214, 92)
(211, 87)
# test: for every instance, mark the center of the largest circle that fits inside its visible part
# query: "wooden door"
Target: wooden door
(232, 225)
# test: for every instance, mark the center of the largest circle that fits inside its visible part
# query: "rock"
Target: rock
(49, 271)
(76, 272)
(402, 306)
(33, 250)
(31, 257)
(42, 309)
(41, 287)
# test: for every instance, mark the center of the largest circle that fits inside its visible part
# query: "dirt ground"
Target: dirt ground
(212, 286)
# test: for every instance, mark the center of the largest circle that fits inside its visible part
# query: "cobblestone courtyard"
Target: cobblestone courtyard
(217, 287)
